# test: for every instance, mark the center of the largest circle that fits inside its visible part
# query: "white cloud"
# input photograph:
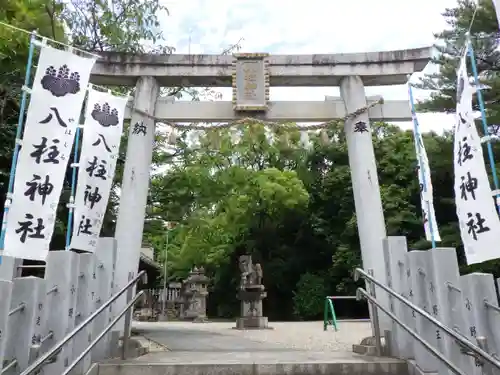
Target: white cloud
(310, 27)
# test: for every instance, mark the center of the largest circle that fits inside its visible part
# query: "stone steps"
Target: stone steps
(255, 363)
(256, 369)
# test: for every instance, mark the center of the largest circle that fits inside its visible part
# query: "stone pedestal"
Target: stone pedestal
(163, 317)
(251, 297)
(252, 322)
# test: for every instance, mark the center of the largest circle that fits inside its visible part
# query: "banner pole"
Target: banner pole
(74, 166)
(19, 130)
(420, 162)
(480, 100)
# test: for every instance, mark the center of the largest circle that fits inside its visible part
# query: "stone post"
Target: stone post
(84, 307)
(104, 269)
(22, 322)
(367, 200)
(61, 282)
(174, 300)
(9, 268)
(41, 332)
(5, 296)
(135, 186)
(447, 306)
(420, 271)
(395, 249)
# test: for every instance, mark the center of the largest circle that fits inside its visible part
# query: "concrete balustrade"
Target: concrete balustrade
(468, 304)
(36, 313)
(480, 306)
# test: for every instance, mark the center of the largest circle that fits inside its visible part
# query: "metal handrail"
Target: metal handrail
(11, 365)
(56, 348)
(416, 336)
(341, 297)
(491, 306)
(103, 333)
(463, 341)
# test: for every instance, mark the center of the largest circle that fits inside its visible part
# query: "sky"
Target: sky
(312, 27)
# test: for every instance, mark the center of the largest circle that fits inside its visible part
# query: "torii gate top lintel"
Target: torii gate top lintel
(374, 68)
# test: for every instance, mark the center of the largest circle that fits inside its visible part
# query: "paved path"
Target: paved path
(182, 338)
(215, 348)
(221, 337)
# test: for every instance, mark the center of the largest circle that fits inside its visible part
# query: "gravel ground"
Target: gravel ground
(292, 335)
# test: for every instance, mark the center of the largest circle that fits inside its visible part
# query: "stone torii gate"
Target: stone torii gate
(251, 75)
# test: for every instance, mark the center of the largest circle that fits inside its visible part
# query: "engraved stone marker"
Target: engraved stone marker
(250, 82)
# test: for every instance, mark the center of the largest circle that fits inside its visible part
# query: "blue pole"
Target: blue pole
(420, 162)
(71, 209)
(20, 123)
(480, 100)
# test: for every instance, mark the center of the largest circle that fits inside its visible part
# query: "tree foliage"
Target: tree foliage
(26, 15)
(478, 18)
(255, 191)
(98, 26)
(116, 25)
(309, 296)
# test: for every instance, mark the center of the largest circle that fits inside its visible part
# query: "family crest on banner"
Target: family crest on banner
(102, 132)
(478, 219)
(57, 96)
(424, 179)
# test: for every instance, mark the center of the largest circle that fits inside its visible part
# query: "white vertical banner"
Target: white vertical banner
(102, 133)
(426, 195)
(478, 219)
(56, 101)
(424, 179)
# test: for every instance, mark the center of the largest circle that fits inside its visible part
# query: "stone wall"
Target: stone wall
(36, 313)
(466, 304)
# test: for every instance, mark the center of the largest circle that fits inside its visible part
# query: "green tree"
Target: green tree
(217, 189)
(116, 25)
(478, 18)
(99, 26)
(122, 26)
(309, 296)
(27, 15)
(235, 196)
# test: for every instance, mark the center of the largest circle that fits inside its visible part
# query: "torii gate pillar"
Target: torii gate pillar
(135, 186)
(365, 186)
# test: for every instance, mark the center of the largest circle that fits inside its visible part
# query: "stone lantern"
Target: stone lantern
(195, 293)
